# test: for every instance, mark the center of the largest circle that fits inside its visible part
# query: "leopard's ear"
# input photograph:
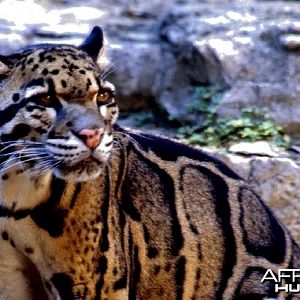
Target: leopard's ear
(93, 44)
(5, 65)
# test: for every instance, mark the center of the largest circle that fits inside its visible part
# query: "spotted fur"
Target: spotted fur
(136, 217)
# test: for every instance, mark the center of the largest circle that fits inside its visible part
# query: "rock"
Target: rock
(260, 148)
(277, 182)
(290, 41)
(136, 79)
(240, 48)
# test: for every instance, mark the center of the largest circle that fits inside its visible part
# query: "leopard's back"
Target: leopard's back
(199, 230)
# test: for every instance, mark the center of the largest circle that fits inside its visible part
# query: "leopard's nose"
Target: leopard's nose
(91, 137)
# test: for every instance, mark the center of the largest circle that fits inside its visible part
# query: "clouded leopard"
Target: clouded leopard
(89, 210)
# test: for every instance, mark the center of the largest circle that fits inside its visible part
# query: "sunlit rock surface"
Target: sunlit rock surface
(260, 148)
(247, 49)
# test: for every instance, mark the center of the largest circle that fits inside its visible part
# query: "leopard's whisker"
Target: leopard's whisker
(15, 157)
(17, 163)
(108, 70)
(18, 145)
(43, 167)
(131, 139)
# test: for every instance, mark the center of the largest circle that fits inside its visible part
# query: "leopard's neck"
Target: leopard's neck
(24, 191)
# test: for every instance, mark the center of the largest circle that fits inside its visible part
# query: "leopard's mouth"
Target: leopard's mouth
(86, 169)
(89, 160)
(79, 163)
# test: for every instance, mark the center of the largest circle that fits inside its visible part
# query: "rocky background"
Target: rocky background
(161, 51)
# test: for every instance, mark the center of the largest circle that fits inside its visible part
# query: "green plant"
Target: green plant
(144, 117)
(252, 125)
(157, 117)
(209, 98)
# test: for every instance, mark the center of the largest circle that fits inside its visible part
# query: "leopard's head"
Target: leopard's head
(56, 110)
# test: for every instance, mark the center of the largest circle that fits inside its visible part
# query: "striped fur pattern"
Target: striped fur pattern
(136, 217)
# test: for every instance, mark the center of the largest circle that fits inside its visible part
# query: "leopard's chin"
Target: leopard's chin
(84, 170)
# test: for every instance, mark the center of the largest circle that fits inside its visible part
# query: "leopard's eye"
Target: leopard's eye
(103, 97)
(44, 100)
